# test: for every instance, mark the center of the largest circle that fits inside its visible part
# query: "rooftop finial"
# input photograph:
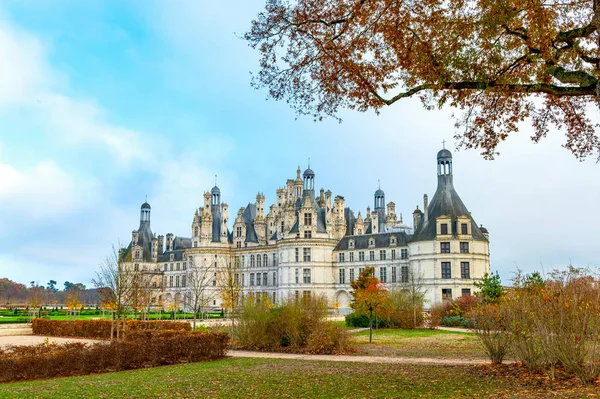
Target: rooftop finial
(215, 180)
(146, 197)
(444, 144)
(379, 184)
(308, 162)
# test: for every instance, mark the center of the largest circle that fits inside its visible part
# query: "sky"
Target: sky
(103, 103)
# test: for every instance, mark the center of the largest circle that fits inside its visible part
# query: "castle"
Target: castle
(309, 244)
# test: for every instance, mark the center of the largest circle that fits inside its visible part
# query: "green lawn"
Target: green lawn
(437, 344)
(266, 378)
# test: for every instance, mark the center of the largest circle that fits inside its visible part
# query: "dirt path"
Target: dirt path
(356, 359)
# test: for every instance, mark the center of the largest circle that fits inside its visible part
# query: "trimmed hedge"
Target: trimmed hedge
(140, 349)
(99, 328)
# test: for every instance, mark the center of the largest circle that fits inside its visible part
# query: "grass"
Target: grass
(438, 344)
(260, 378)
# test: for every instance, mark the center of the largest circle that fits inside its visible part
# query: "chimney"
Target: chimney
(426, 207)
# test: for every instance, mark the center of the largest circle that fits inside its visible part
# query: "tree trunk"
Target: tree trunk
(112, 325)
(371, 327)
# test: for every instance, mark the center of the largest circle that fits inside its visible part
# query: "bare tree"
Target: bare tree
(414, 286)
(198, 281)
(118, 287)
(230, 289)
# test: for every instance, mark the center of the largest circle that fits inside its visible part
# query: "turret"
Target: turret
(309, 183)
(161, 244)
(260, 225)
(417, 218)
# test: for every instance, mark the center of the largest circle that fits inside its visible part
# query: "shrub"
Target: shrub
(298, 325)
(358, 320)
(453, 321)
(437, 312)
(141, 349)
(99, 328)
(491, 328)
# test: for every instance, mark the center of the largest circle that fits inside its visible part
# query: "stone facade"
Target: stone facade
(309, 244)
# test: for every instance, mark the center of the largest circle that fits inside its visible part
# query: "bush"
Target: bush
(437, 312)
(99, 328)
(298, 325)
(358, 320)
(453, 321)
(491, 328)
(141, 349)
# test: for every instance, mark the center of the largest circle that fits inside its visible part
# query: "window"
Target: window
(236, 279)
(382, 254)
(307, 234)
(184, 265)
(243, 261)
(196, 232)
(178, 266)
(136, 267)
(265, 260)
(258, 261)
(274, 278)
(445, 247)
(236, 262)
(361, 256)
(171, 266)
(297, 276)
(308, 219)
(183, 281)
(341, 258)
(214, 283)
(170, 281)
(360, 270)
(351, 274)
(464, 247)
(464, 228)
(258, 279)
(137, 254)
(351, 256)
(383, 274)
(465, 291)
(351, 243)
(252, 261)
(242, 281)
(305, 294)
(237, 244)
(238, 231)
(371, 255)
(265, 279)
(393, 240)
(465, 270)
(177, 281)
(446, 294)
(251, 279)
(297, 254)
(165, 269)
(393, 254)
(394, 274)
(306, 254)
(404, 253)
(342, 276)
(306, 276)
(444, 228)
(282, 226)
(275, 259)
(371, 242)
(446, 270)
(404, 271)
(297, 295)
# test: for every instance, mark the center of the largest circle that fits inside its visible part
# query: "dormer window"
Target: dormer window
(393, 240)
(308, 219)
(351, 243)
(371, 242)
(308, 234)
(172, 257)
(444, 229)
(464, 228)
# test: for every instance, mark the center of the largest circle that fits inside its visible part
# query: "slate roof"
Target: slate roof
(445, 202)
(166, 257)
(382, 240)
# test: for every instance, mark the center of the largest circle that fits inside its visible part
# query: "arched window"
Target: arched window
(251, 260)
(258, 261)
(266, 260)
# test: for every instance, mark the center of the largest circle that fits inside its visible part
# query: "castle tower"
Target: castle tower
(260, 225)
(224, 217)
(379, 202)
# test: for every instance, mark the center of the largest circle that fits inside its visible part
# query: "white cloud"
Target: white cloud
(42, 191)
(28, 82)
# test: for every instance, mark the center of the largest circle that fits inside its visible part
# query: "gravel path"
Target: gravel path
(356, 359)
(37, 339)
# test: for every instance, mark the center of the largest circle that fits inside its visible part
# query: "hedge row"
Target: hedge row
(141, 349)
(99, 328)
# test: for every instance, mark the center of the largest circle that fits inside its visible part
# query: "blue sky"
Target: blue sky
(105, 102)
